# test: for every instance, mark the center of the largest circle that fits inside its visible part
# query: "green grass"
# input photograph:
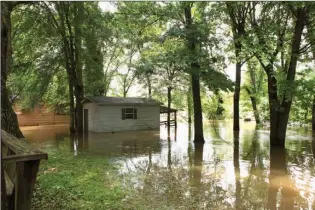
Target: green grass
(66, 181)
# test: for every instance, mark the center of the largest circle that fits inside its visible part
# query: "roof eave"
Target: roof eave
(128, 104)
(87, 99)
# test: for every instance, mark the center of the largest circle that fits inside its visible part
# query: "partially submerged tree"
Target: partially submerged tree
(192, 42)
(274, 19)
(238, 13)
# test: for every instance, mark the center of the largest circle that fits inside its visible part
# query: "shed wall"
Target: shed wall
(110, 118)
(93, 120)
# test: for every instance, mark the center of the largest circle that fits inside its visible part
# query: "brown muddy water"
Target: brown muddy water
(230, 171)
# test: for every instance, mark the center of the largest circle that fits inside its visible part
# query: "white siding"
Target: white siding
(93, 116)
(110, 118)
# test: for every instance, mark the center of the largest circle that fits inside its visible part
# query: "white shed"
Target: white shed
(108, 114)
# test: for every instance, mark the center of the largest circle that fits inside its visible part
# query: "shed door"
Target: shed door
(86, 120)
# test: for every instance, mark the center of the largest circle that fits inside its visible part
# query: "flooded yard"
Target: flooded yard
(230, 171)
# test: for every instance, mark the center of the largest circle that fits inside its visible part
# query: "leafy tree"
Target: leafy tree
(126, 79)
(254, 87)
(97, 39)
(9, 121)
(280, 77)
(32, 70)
(311, 39)
(302, 105)
(238, 13)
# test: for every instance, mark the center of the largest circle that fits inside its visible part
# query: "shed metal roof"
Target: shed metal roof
(102, 100)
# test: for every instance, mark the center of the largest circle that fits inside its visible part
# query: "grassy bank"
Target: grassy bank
(66, 181)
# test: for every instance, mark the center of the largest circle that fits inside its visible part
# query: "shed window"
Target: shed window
(129, 113)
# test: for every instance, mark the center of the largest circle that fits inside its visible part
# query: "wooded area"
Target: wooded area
(56, 53)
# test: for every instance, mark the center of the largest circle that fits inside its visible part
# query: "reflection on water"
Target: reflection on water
(232, 170)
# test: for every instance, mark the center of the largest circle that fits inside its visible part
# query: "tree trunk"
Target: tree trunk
(60, 7)
(238, 29)
(169, 101)
(236, 104)
(198, 125)
(149, 86)
(9, 120)
(278, 116)
(124, 92)
(189, 102)
(169, 154)
(195, 77)
(254, 105)
(79, 91)
(72, 108)
(313, 114)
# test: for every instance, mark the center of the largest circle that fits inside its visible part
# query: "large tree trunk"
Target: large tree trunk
(198, 125)
(195, 77)
(236, 104)
(278, 117)
(169, 102)
(254, 105)
(9, 121)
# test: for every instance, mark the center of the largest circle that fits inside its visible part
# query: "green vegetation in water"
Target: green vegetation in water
(66, 181)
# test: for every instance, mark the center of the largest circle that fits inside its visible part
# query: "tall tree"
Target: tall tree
(67, 20)
(9, 121)
(280, 97)
(238, 13)
(194, 71)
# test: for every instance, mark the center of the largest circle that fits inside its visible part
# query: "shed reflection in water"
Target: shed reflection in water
(238, 172)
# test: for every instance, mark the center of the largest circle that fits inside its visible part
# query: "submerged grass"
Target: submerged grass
(66, 181)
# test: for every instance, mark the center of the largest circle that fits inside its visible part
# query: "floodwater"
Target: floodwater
(230, 171)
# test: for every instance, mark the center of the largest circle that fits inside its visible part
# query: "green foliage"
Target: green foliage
(36, 56)
(96, 38)
(148, 43)
(213, 107)
(305, 91)
(56, 95)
